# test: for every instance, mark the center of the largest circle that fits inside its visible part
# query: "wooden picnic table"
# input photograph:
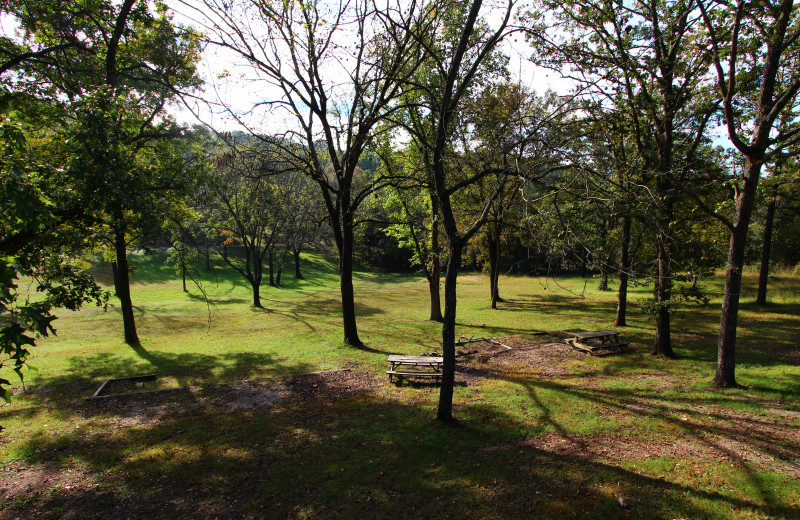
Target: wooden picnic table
(419, 366)
(597, 341)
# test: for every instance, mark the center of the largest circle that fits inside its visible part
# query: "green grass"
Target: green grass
(380, 453)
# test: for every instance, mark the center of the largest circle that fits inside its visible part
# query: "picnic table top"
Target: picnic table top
(596, 334)
(414, 359)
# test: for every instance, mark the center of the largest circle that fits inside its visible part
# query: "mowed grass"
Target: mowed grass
(649, 431)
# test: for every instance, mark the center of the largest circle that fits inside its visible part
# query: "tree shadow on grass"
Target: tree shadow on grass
(349, 456)
(716, 428)
(86, 372)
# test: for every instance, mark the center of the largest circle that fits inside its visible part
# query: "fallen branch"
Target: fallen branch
(501, 344)
(465, 340)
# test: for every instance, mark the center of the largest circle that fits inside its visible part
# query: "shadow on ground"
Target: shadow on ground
(348, 453)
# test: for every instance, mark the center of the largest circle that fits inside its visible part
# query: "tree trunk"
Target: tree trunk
(624, 268)
(256, 285)
(491, 246)
(124, 288)
(603, 285)
(257, 276)
(281, 263)
(115, 275)
(297, 274)
(605, 259)
(662, 343)
(493, 239)
(346, 285)
(208, 259)
(183, 275)
(271, 269)
(435, 276)
(766, 249)
(726, 350)
(445, 409)
(583, 262)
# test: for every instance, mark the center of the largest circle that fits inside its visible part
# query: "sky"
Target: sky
(240, 89)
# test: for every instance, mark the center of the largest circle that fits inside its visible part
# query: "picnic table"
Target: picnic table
(597, 341)
(416, 366)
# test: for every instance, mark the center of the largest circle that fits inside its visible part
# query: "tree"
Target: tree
(416, 228)
(457, 67)
(772, 193)
(640, 59)
(109, 74)
(333, 72)
(512, 129)
(246, 209)
(754, 50)
(37, 243)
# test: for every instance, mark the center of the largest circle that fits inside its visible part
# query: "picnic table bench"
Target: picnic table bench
(417, 366)
(597, 341)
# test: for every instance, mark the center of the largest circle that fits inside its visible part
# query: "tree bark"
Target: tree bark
(435, 275)
(183, 275)
(445, 409)
(725, 375)
(603, 285)
(271, 269)
(297, 274)
(726, 350)
(662, 342)
(124, 288)
(605, 259)
(281, 263)
(256, 293)
(115, 275)
(624, 269)
(493, 241)
(766, 249)
(584, 270)
(346, 285)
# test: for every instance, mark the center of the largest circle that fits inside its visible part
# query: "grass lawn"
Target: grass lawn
(229, 430)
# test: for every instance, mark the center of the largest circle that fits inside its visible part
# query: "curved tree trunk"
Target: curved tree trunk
(624, 269)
